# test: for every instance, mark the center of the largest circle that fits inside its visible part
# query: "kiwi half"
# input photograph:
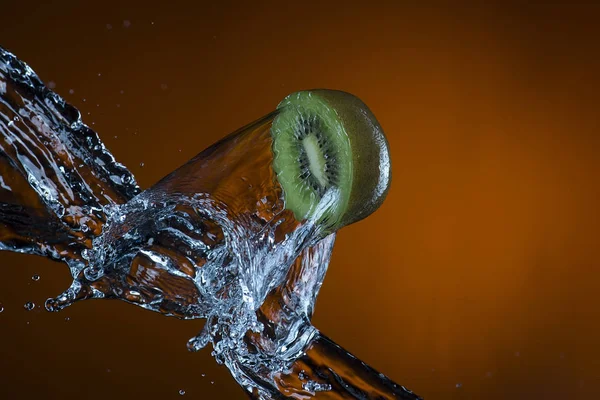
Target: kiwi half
(327, 140)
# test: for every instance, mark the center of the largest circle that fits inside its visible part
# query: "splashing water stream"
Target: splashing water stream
(211, 240)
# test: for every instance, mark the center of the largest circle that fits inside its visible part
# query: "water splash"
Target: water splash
(211, 240)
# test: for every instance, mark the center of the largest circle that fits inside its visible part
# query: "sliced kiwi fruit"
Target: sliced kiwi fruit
(328, 141)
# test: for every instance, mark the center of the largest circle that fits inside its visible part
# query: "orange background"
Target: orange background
(481, 268)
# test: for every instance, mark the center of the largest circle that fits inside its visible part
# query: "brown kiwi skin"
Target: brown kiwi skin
(372, 169)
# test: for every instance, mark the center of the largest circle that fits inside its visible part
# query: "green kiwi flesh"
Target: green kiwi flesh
(328, 139)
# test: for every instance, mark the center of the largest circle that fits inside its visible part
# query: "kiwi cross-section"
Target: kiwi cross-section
(329, 140)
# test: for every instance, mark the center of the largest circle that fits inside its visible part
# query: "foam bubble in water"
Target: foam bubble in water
(312, 386)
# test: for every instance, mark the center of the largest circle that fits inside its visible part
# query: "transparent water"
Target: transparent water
(211, 240)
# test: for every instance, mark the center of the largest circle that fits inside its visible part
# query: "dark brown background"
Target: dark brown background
(480, 270)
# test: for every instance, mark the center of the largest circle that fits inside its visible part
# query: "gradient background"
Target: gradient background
(477, 279)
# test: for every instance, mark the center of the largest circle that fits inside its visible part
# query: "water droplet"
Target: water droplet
(86, 253)
(51, 84)
(108, 26)
(35, 278)
(142, 164)
(212, 382)
(29, 306)
(459, 385)
(71, 91)
(126, 23)
(122, 91)
(181, 392)
(92, 273)
(1, 308)
(67, 319)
